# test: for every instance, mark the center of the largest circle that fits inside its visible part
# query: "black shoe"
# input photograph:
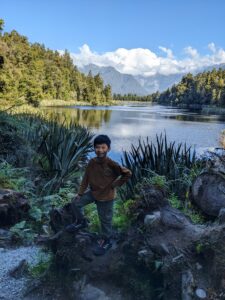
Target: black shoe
(102, 247)
(76, 226)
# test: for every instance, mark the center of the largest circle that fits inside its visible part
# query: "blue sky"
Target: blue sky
(108, 25)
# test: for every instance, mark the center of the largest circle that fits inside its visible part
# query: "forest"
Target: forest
(30, 73)
(206, 88)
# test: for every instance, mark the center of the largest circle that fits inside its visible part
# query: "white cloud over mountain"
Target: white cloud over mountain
(145, 62)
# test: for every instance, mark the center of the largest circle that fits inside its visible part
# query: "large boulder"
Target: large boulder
(13, 207)
(208, 189)
(208, 192)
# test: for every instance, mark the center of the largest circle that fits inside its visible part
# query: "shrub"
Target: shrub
(163, 158)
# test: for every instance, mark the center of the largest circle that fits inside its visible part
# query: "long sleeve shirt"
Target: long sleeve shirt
(103, 176)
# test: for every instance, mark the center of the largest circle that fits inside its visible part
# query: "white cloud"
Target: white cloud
(167, 51)
(145, 62)
(191, 51)
(212, 47)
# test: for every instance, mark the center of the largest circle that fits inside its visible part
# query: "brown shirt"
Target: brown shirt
(102, 177)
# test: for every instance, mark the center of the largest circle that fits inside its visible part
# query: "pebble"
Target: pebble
(200, 293)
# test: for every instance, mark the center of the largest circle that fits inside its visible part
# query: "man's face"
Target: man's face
(101, 150)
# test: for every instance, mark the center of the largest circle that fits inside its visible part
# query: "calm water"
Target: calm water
(125, 124)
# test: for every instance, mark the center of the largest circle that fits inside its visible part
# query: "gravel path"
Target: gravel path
(10, 287)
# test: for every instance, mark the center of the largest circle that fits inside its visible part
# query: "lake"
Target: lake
(124, 124)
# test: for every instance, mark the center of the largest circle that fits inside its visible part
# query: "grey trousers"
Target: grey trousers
(104, 208)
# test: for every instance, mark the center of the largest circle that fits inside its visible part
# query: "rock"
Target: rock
(142, 253)
(5, 237)
(20, 269)
(87, 291)
(152, 219)
(222, 216)
(146, 255)
(198, 266)
(5, 234)
(173, 219)
(208, 192)
(173, 243)
(187, 285)
(160, 249)
(13, 207)
(91, 292)
(153, 197)
(200, 293)
(215, 160)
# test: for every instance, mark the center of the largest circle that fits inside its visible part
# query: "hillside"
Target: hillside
(120, 83)
(124, 84)
(206, 88)
(31, 72)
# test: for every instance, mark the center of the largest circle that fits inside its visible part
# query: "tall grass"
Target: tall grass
(162, 158)
(62, 149)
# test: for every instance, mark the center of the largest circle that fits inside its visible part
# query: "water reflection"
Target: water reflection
(125, 124)
(90, 118)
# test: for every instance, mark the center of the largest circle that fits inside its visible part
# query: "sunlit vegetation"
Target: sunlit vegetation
(206, 88)
(31, 73)
(161, 158)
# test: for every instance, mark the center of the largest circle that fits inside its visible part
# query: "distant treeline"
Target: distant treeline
(31, 72)
(206, 88)
(134, 97)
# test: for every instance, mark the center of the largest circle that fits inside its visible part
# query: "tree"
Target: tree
(32, 72)
(108, 92)
(1, 25)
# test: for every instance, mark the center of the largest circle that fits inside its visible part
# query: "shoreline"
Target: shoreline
(27, 108)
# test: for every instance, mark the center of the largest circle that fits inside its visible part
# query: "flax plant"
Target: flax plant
(62, 149)
(162, 158)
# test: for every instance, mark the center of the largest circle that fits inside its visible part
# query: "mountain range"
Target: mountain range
(137, 84)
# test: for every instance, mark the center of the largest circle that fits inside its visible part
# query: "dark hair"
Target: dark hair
(102, 139)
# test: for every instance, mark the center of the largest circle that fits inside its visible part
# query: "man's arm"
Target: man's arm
(123, 172)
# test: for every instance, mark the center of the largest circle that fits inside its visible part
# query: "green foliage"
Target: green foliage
(195, 216)
(1, 25)
(32, 72)
(174, 201)
(41, 206)
(22, 232)
(207, 88)
(45, 260)
(35, 213)
(123, 217)
(199, 248)
(155, 179)
(14, 178)
(61, 198)
(222, 139)
(187, 208)
(92, 215)
(134, 97)
(158, 264)
(12, 145)
(62, 150)
(162, 158)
